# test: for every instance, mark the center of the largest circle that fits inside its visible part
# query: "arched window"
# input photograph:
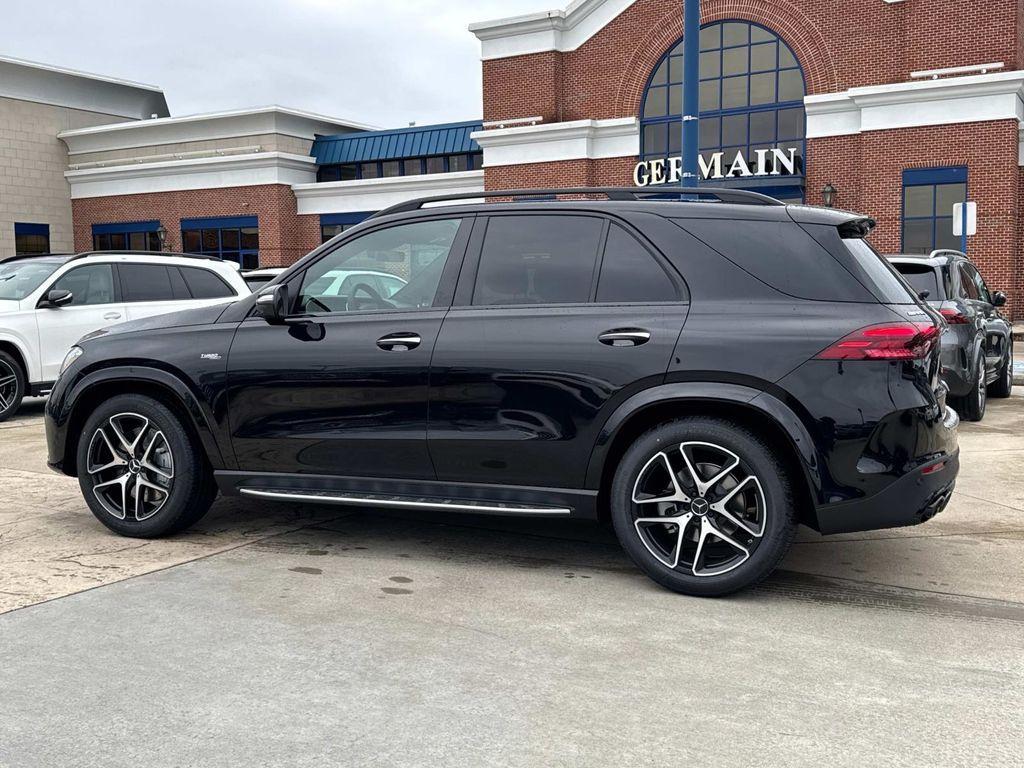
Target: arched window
(751, 98)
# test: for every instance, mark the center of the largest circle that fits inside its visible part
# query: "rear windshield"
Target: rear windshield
(886, 281)
(921, 277)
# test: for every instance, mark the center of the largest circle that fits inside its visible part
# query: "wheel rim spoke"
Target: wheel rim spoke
(680, 521)
(721, 506)
(708, 529)
(149, 465)
(115, 460)
(703, 486)
(677, 491)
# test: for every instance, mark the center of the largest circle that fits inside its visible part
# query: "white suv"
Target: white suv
(47, 303)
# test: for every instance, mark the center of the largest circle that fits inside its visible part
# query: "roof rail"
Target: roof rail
(203, 257)
(941, 251)
(24, 256)
(721, 194)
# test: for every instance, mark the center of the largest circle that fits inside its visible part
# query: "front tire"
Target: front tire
(703, 506)
(141, 472)
(13, 384)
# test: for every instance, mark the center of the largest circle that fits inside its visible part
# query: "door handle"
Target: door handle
(625, 337)
(112, 316)
(399, 342)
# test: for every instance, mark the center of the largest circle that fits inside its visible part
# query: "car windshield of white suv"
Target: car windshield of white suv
(20, 278)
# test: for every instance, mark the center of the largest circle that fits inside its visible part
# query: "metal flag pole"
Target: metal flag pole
(691, 92)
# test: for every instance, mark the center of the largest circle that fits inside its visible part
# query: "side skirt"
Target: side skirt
(411, 494)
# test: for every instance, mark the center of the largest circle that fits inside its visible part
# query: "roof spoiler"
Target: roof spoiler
(857, 229)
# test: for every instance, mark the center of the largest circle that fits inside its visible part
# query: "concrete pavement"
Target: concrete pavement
(279, 635)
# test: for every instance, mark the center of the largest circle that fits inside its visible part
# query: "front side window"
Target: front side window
(89, 285)
(972, 284)
(537, 260)
(928, 199)
(30, 239)
(396, 268)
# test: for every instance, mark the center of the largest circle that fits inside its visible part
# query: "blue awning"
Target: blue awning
(419, 141)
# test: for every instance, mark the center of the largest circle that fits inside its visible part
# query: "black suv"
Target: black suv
(705, 373)
(977, 343)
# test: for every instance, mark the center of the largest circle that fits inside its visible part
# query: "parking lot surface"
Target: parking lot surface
(293, 635)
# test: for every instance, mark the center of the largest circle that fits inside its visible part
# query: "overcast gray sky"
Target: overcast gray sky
(386, 62)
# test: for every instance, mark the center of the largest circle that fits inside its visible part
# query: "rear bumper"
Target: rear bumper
(914, 498)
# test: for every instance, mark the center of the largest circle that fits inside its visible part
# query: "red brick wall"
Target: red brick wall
(285, 236)
(840, 45)
(867, 170)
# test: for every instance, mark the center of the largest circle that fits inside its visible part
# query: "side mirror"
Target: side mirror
(56, 298)
(923, 295)
(273, 304)
(998, 299)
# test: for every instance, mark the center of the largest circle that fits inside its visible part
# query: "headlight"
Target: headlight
(73, 354)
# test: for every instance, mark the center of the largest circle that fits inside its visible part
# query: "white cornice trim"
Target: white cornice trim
(203, 173)
(376, 194)
(977, 98)
(551, 142)
(204, 127)
(555, 30)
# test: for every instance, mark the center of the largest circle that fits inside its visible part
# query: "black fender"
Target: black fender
(763, 402)
(178, 387)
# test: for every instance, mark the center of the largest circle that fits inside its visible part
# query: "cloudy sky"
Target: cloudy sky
(385, 62)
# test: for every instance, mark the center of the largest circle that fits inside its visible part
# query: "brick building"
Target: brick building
(902, 107)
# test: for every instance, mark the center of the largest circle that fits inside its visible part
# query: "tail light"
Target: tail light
(890, 341)
(954, 316)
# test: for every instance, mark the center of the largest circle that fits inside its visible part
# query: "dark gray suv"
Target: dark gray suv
(977, 345)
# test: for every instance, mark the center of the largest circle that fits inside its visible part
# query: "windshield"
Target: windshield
(20, 278)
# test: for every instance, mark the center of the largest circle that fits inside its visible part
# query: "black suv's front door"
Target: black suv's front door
(345, 393)
(558, 318)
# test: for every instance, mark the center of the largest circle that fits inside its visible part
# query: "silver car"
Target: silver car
(977, 344)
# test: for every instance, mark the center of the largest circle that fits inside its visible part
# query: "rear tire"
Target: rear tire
(729, 510)
(13, 385)
(972, 405)
(142, 473)
(1003, 386)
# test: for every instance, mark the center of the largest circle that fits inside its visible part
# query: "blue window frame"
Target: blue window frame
(31, 238)
(232, 238)
(751, 97)
(126, 236)
(333, 224)
(410, 166)
(928, 198)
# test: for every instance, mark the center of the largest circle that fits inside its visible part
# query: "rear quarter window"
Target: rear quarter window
(781, 255)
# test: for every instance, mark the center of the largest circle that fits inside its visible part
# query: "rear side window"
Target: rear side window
(630, 274)
(538, 260)
(781, 255)
(880, 273)
(922, 278)
(204, 284)
(145, 282)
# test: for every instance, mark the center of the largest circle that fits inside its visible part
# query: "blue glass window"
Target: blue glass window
(128, 236)
(232, 238)
(751, 96)
(929, 195)
(31, 239)
(410, 166)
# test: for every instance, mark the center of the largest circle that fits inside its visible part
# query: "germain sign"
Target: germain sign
(766, 162)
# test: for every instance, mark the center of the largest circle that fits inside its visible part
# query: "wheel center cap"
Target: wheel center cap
(134, 466)
(700, 507)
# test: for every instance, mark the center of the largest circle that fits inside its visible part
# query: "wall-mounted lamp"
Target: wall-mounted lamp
(828, 195)
(161, 235)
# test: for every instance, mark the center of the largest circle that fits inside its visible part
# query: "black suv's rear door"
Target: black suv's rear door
(345, 392)
(557, 319)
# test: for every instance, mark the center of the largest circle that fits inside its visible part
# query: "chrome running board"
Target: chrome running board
(369, 500)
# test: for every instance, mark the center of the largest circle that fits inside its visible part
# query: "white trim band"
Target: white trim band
(551, 142)
(555, 30)
(376, 194)
(204, 173)
(976, 98)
